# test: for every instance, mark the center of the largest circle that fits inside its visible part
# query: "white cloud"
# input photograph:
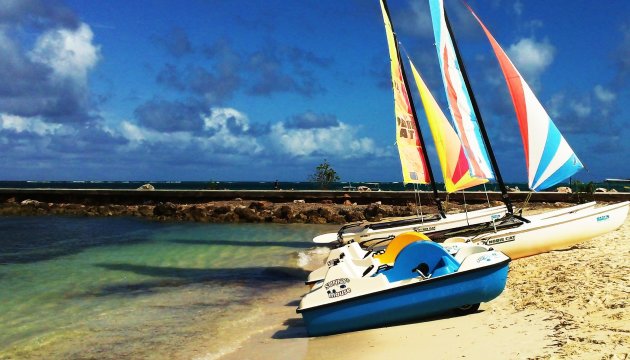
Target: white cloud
(70, 53)
(604, 95)
(341, 141)
(24, 124)
(531, 57)
(225, 131)
(581, 109)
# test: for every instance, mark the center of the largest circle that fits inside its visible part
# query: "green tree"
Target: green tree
(324, 174)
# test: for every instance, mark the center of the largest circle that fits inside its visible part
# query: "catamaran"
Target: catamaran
(548, 157)
(416, 167)
(550, 160)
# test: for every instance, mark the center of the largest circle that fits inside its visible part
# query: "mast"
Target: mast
(436, 196)
(484, 135)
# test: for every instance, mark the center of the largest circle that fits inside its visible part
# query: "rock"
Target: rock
(564, 189)
(299, 201)
(513, 189)
(238, 199)
(612, 190)
(165, 209)
(354, 216)
(146, 187)
(347, 202)
(601, 190)
(260, 205)
(247, 214)
(284, 212)
(30, 202)
(10, 200)
(223, 209)
(327, 201)
(377, 203)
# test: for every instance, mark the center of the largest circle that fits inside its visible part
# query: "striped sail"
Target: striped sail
(548, 156)
(462, 112)
(453, 162)
(413, 163)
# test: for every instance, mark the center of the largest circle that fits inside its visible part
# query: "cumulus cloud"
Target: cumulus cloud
(604, 95)
(310, 120)
(340, 141)
(170, 116)
(49, 80)
(69, 53)
(21, 124)
(531, 57)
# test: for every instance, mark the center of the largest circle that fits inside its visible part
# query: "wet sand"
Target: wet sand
(563, 304)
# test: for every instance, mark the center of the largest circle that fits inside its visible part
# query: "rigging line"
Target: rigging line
(486, 191)
(465, 207)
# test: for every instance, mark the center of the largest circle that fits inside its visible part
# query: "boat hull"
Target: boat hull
(407, 302)
(451, 221)
(557, 233)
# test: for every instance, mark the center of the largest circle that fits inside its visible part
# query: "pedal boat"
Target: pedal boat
(424, 280)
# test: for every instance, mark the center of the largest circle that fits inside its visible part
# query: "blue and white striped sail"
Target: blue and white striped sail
(548, 156)
(463, 115)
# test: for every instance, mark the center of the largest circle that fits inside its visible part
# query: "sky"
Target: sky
(247, 90)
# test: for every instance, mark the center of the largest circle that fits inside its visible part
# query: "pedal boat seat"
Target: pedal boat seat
(430, 258)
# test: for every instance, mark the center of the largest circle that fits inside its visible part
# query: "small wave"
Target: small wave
(308, 259)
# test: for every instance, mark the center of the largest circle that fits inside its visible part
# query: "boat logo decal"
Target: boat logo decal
(499, 240)
(487, 258)
(337, 287)
(603, 218)
(423, 229)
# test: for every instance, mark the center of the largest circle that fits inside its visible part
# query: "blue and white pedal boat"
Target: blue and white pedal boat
(424, 280)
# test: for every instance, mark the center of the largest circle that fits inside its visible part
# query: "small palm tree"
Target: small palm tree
(324, 174)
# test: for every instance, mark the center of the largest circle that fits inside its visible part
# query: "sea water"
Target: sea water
(129, 288)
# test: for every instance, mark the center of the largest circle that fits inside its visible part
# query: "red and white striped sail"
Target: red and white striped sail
(548, 156)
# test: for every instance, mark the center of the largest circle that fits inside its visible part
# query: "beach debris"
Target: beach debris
(299, 201)
(30, 202)
(513, 189)
(146, 187)
(564, 189)
(601, 190)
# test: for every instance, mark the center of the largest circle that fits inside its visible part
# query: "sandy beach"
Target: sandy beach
(563, 304)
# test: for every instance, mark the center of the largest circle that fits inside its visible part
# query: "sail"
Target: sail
(548, 156)
(465, 121)
(453, 162)
(413, 163)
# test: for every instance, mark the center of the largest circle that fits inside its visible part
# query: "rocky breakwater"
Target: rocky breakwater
(223, 211)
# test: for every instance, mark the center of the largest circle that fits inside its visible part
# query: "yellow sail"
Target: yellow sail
(455, 167)
(413, 163)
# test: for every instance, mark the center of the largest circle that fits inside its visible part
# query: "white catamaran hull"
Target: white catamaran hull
(548, 218)
(556, 233)
(451, 221)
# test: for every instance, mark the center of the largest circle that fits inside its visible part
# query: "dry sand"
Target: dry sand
(563, 304)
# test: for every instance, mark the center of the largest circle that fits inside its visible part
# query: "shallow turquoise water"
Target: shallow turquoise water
(128, 288)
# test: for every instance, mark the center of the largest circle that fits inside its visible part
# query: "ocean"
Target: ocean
(113, 288)
(259, 185)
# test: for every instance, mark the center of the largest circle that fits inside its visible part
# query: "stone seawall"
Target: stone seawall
(275, 207)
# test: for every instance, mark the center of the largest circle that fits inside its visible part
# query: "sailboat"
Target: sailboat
(549, 157)
(416, 167)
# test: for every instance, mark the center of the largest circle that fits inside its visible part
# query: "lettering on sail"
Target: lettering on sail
(407, 130)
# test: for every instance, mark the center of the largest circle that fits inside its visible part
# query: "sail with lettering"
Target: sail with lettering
(463, 115)
(453, 162)
(412, 159)
(548, 156)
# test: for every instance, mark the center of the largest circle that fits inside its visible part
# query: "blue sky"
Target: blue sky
(264, 90)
